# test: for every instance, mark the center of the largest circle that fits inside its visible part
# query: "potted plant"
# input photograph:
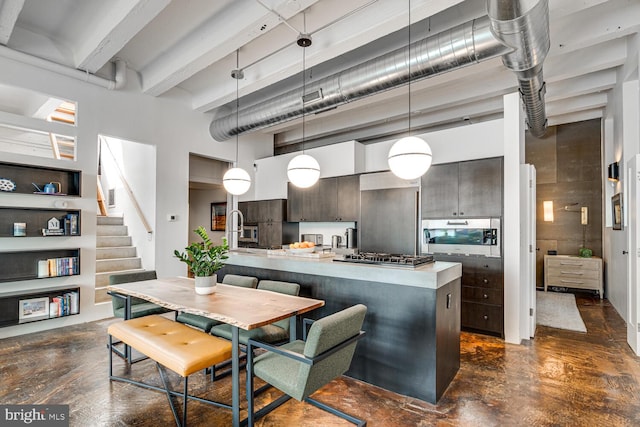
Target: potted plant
(204, 260)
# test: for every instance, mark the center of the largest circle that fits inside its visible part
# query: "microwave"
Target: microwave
(465, 237)
(249, 234)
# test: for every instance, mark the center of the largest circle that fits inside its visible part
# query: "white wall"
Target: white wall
(137, 162)
(169, 124)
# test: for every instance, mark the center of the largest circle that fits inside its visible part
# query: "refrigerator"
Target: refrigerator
(388, 214)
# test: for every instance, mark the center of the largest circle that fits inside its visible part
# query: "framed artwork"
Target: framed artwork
(33, 309)
(616, 210)
(218, 216)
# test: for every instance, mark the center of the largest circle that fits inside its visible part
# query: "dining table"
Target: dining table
(242, 308)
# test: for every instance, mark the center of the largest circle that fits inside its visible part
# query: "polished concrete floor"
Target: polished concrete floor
(561, 378)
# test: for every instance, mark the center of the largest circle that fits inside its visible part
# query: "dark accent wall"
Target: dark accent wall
(568, 170)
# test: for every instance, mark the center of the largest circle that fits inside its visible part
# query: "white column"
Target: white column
(514, 126)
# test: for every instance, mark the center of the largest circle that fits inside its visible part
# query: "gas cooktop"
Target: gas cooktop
(387, 259)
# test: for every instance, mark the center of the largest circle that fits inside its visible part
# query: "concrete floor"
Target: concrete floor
(559, 378)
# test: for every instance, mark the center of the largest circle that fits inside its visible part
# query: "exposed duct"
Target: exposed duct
(516, 30)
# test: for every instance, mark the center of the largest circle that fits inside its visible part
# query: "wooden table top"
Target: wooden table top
(245, 308)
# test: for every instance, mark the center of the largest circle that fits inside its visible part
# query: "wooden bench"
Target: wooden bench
(172, 345)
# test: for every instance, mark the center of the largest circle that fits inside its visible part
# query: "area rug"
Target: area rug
(558, 310)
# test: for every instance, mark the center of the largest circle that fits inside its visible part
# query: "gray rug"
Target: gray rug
(558, 311)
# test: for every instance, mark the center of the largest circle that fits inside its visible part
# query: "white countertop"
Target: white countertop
(430, 276)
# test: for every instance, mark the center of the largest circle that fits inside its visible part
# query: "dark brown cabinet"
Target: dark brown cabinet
(270, 217)
(471, 189)
(329, 200)
(482, 293)
(258, 211)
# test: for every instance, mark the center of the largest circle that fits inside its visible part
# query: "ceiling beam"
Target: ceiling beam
(117, 27)
(9, 11)
(378, 19)
(234, 27)
(587, 83)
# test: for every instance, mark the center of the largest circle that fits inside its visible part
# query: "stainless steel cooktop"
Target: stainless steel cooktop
(387, 259)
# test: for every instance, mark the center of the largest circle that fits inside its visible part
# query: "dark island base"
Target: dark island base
(412, 346)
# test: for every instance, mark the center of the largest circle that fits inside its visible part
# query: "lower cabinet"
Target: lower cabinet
(482, 293)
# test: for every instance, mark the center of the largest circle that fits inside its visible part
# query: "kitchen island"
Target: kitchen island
(412, 345)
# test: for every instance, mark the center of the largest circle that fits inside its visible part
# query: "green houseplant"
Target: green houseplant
(204, 260)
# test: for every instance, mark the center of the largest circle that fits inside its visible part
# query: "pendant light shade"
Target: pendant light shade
(303, 171)
(236, 181)
(410, 157)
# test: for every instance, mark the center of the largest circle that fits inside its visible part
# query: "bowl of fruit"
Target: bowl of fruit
(301, 247)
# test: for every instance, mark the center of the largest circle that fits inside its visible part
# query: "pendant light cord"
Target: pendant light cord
(304, 67)
(409, 58)
(237, 102)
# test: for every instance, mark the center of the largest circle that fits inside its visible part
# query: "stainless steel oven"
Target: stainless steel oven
(249, 234)
(465, 237)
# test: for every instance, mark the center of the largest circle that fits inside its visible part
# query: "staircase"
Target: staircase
(114, 253)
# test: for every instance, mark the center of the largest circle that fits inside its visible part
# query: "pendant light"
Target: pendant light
(237, 180)
(410, 157)
(303, 170)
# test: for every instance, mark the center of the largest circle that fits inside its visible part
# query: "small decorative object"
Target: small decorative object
(19, 229)
(585, 253)
(7, 185)
(204, 260)
(33, 309)
(51, 187)
(53, 228)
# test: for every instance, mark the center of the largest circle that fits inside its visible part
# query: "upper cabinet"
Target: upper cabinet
(329, 200)
(263, 211)
(470, 189)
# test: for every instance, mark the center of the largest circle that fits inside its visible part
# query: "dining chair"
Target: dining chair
(206, 323)
(302, 367)
(274, 333)
(139, 307)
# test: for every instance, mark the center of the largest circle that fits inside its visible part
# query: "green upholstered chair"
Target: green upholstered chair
(273, 333)
(206, 323)
(300, 368)
(139, 307)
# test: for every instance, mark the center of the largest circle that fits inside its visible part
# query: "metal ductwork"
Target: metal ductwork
(516, 30)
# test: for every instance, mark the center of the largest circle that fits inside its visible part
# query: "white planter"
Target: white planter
(206, 285)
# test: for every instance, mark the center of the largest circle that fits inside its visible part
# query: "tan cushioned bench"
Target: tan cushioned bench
(180, 348)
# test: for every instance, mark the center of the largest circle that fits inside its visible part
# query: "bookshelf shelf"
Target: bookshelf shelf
(67, 182)
(42, 304)
(27, 265)
(35, 220)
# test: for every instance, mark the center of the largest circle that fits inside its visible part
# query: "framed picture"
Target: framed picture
(218, 216)
(33, 309)
(616, 210)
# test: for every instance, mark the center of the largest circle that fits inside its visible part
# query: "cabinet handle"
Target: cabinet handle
(461, 213)
(485, 296)
(575, 273)
(485, 281)
(485, 317)
(571, 281)
(455, 213)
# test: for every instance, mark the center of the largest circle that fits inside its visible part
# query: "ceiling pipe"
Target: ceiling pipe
(510, 30)
(119, 75)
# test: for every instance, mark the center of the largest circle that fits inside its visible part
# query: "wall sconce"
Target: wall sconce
(547, 207)
(614, 171)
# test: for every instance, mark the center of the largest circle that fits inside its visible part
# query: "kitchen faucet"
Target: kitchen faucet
(240, 225)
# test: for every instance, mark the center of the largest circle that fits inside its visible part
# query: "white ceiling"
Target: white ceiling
(187, 48)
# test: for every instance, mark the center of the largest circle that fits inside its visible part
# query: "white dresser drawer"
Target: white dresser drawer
(573, 272)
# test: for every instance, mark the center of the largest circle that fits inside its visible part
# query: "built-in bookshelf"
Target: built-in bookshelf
(33, 222)
(43, 304)
(29, 179)
(39, 264)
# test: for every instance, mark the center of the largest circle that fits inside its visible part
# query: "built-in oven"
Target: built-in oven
(466, 237)
(249, 234)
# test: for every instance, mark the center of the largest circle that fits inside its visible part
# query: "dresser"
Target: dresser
(570, 271)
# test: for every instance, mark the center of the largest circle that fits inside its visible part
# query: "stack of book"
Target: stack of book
(56, 267)
(65, 304)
